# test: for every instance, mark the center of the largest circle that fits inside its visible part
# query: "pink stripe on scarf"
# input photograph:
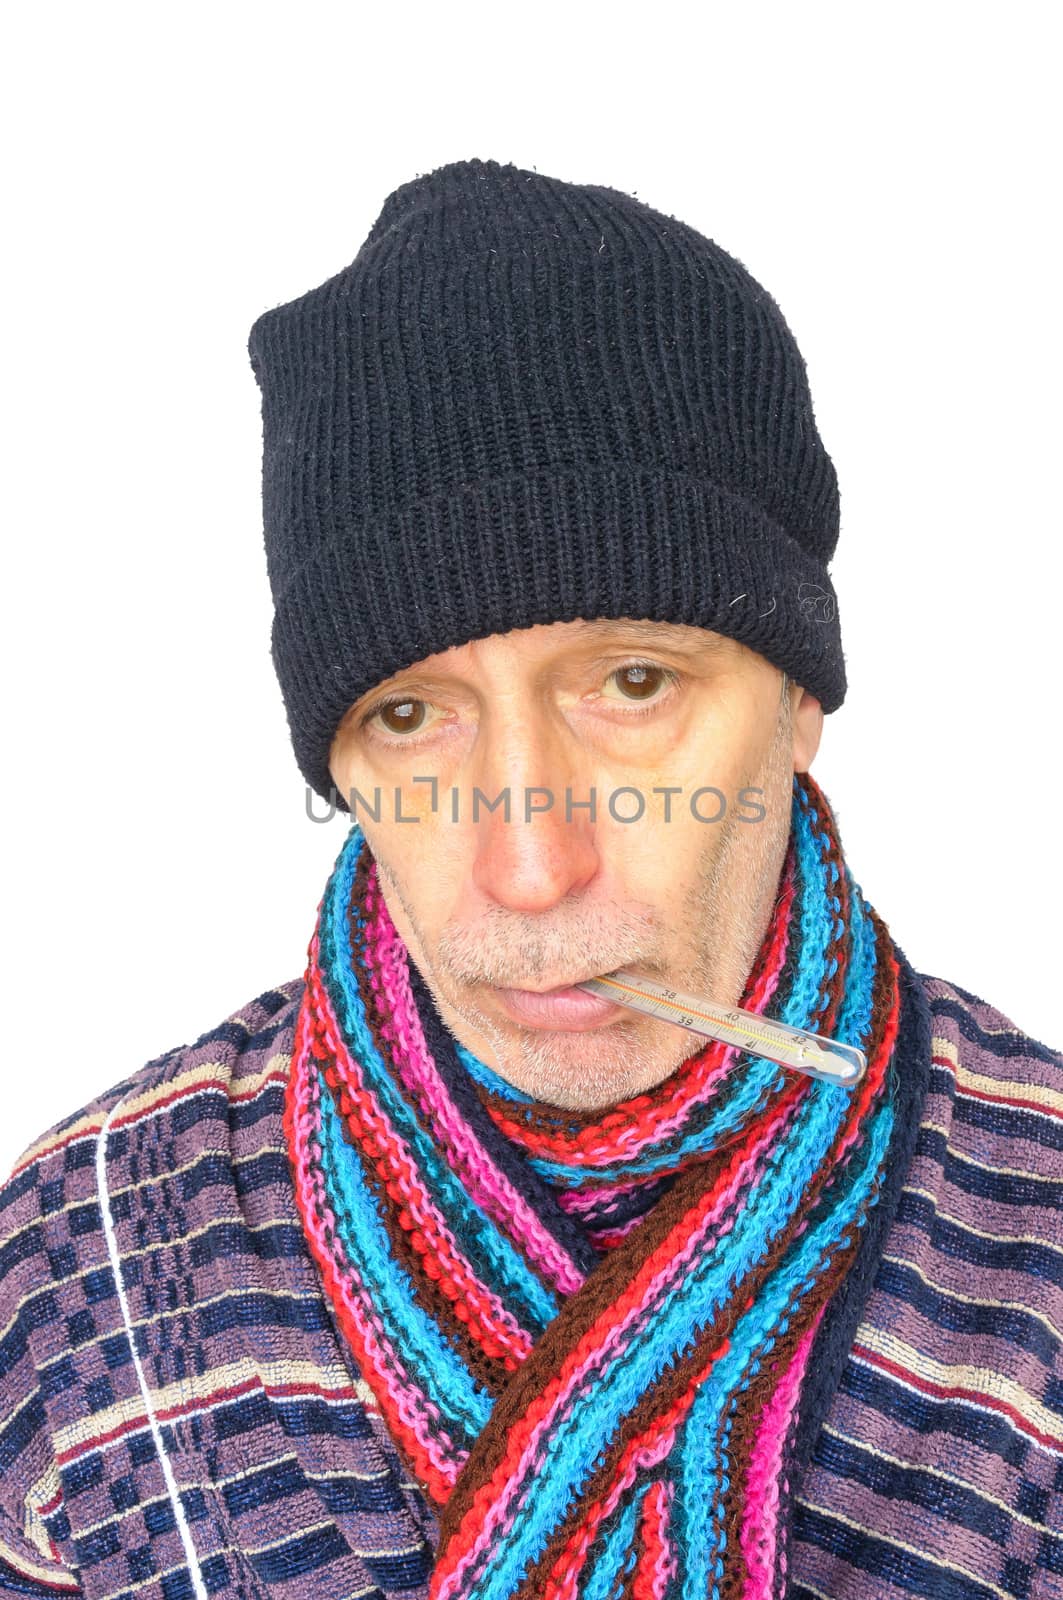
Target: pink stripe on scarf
(653, 1577)
(759, 1531)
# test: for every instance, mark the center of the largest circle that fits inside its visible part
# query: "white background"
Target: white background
(889, 174)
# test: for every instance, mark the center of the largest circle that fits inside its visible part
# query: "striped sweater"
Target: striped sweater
(180, 1417)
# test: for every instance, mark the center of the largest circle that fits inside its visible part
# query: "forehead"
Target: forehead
(555, 638)
(629, 627)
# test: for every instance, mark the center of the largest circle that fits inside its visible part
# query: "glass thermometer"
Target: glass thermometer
(788, 1046)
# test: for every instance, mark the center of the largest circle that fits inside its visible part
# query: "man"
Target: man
(430, 1272)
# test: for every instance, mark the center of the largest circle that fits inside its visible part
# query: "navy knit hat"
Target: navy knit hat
(528, 400)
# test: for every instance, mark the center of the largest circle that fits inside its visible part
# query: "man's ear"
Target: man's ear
(807, 720)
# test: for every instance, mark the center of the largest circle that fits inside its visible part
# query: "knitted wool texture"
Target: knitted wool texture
(588, 1332)
(527, 401)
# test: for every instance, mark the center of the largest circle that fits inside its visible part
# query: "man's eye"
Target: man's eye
(642, 680)
(398, 716)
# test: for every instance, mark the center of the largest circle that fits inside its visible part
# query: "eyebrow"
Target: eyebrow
(662, 634)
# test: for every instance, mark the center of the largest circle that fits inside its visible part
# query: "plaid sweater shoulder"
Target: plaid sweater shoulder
(180, 1417)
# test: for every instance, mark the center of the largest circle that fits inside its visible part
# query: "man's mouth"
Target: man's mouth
(566, 1007)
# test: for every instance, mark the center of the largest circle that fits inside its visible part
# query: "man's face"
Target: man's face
(489, 908)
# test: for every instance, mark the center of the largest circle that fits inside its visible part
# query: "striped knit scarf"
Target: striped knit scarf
(588, 1332)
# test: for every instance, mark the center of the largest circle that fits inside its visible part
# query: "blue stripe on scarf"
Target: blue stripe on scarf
(619, 1552)
(428, 1358)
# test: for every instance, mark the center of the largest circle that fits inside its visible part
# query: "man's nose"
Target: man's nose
(547, 849)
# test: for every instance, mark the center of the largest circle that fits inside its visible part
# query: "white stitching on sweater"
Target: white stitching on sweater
(194, 1570)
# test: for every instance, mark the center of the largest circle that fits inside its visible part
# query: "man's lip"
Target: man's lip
(567, 1007)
